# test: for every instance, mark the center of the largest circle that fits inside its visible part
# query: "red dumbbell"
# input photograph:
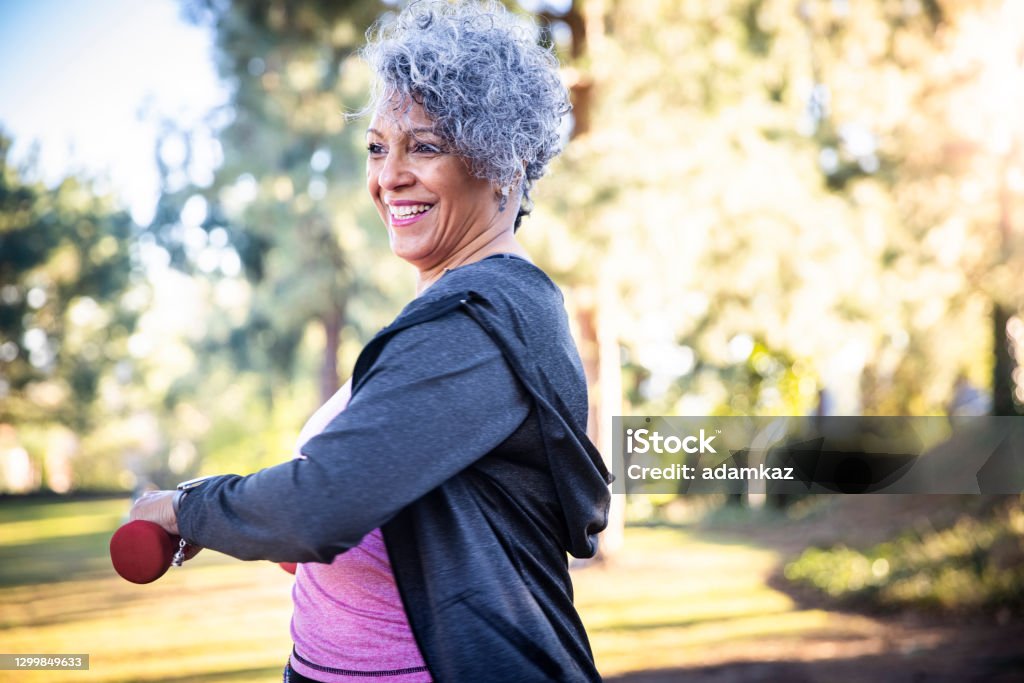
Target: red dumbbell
(141, 551)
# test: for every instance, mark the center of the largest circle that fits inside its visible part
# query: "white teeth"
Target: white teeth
(408, 210)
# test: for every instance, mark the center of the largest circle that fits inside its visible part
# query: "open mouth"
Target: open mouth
(408, 213)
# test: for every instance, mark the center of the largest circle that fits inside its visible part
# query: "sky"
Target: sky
(77, 75)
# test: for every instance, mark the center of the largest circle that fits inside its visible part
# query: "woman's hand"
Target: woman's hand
(157, 507)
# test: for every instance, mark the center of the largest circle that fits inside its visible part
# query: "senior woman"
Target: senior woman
(436, 496)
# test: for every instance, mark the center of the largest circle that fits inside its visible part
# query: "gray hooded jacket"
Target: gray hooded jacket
(464, 441)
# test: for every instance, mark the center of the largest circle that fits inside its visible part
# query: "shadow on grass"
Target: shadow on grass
(56, 559)
(50, 544)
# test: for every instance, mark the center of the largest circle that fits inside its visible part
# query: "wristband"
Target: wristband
(182, 490)
(176, 500)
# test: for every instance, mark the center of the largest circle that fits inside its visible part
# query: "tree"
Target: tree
(70, 295)
(924, 110)
(693, 208)
(759, 195)
(286, 196)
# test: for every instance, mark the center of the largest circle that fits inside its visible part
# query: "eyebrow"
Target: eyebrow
(414, 131)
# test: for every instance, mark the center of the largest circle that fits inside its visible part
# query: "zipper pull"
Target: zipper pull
(179, 557)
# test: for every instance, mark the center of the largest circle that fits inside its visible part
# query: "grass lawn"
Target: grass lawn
(675, 599)
(217, 619)
(681, 599)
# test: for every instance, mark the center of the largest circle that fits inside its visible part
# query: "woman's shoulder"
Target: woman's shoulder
(519, 298)
(504, 278)
(509, 294)
(516, 303)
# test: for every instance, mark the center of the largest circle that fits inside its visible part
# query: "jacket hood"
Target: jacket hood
(501, 295)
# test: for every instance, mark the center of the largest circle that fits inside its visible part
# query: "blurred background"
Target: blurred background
(764, 207)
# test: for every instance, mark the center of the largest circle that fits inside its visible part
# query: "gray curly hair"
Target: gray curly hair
(492, 92)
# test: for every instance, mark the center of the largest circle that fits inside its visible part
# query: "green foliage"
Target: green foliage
(976, 564)
(69, 298)
(758, 202)
(810, 179)
(287, 195)
(293, 266)
(923, 144)
(694, 208)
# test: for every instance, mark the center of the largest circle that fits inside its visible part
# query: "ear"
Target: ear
(503, 193)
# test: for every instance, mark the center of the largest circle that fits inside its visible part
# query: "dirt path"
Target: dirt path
(774, 633)
(895, 651)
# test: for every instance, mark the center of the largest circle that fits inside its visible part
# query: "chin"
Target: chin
(412, 253)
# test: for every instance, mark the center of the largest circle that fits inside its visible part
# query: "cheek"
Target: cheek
(373, 187)
(371, 180)
(465, 192)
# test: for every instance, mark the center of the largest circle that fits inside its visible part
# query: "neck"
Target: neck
(486, 245)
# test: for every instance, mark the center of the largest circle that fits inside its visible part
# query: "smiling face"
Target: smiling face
(435, 210)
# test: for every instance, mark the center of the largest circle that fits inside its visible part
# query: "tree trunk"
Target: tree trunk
(586, 319)
(599, 351)
(610, 394)
(1003, 346)
(1002, 374)
(332, 340)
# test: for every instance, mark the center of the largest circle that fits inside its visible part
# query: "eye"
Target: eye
(426, 148)
(375, 148)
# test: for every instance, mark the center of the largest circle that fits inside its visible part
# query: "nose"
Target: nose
(394, 172)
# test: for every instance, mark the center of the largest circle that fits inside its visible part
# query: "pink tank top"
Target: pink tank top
(349, 623)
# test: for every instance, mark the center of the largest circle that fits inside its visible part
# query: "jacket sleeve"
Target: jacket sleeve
(439, 397)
